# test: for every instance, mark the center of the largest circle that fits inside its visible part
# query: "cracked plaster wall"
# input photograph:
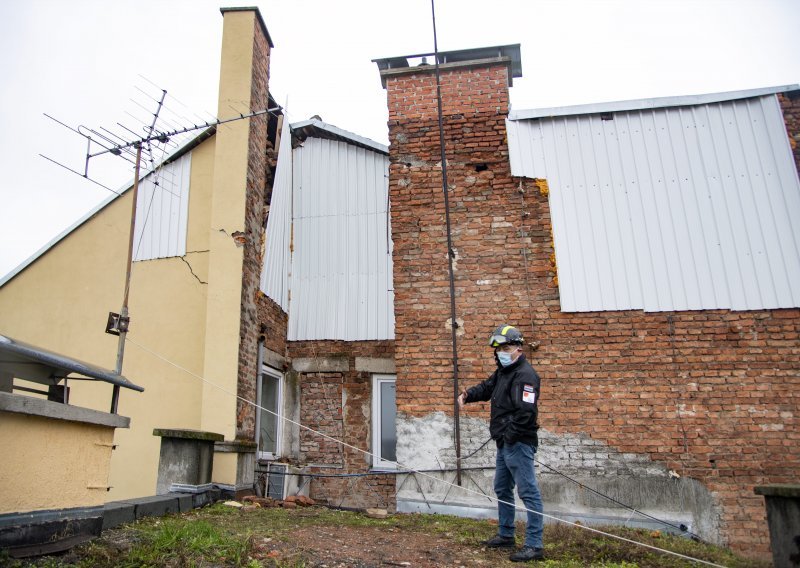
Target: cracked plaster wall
(631, 479)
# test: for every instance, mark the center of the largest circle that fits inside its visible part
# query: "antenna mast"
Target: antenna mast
(115, 145)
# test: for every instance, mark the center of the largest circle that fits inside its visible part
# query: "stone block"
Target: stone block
(185, 502)
(157, 506)
(118, 513)
(207, 498)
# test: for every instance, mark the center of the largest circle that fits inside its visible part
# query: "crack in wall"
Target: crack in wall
(183, 258)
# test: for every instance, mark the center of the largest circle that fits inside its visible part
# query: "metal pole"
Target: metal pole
(123, 313)
(453, 324)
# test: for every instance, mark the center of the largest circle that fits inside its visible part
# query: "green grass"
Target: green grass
(223, 536)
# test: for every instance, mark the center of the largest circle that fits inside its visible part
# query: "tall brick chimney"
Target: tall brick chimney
(474, 88)
(238, 189)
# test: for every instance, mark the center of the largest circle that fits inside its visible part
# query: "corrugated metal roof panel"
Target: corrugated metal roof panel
(162, 208)
(341, 267)
(669, 208)
(649, 104)
(276, 270)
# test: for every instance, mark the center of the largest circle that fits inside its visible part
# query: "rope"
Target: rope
(412, 470)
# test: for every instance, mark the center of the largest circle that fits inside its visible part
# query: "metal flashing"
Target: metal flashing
(18, 355)
(469, 56)
(651, 104)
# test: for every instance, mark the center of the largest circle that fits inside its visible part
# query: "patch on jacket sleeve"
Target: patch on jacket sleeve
(528, 394)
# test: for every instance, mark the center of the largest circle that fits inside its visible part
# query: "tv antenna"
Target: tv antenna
(129, 146)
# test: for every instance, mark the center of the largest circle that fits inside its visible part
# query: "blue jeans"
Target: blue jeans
(515, 466)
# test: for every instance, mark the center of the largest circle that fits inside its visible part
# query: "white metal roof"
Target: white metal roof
(648, 104)
(682, 207)
(277, 264)
(341, 283)
(328, 260)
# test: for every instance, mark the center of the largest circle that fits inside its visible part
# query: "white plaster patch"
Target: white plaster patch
(459, 322)
(428, 443)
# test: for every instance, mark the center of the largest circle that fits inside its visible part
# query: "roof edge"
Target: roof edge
(186, 148)
(340, 133)
(647, 104)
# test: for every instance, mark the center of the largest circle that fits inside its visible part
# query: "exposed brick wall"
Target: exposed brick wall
(791, 115)
(257, 171)
(273, 323)
(321, 409)
(339, 404)
(713, 395)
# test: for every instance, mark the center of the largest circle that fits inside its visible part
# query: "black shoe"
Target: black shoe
(498, 541)
(526, 554)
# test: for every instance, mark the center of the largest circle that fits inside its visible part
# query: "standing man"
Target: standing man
(514, 391)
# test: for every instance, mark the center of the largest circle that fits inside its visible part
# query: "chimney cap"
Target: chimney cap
(463, 56)
(258, 18)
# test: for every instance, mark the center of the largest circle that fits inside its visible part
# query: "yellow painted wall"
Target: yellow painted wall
(52, 464)
(227, 218)
(186, 310)
(61, 302)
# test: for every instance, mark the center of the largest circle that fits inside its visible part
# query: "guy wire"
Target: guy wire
(453, 323)
(412, 470)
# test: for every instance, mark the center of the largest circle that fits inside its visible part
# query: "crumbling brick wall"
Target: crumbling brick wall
(258, 166)
(710, 395)
(791, 115)
(338, 404)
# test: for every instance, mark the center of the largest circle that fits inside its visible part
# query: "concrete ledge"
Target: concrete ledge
(188, 434)
(184, 501)
(57, 411)
(791, 490)
(321, 364)
(118, 513)
(203, 499)
(375, 365)
(236, 446)
(157, 506)
(188, 488)
(444, 67)
(273, 359)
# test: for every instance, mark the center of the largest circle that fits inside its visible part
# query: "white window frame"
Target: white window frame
(265, 370)
(377, 461)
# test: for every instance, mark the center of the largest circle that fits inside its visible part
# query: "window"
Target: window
(268, 422)
(384, 410)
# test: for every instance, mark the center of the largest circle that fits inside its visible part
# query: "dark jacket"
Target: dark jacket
(514, 392)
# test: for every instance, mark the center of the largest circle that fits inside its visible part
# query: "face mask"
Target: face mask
(505, 358)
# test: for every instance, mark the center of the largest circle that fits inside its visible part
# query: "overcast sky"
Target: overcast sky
(99, 62)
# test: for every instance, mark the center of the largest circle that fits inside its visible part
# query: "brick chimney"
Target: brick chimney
(474, 88)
